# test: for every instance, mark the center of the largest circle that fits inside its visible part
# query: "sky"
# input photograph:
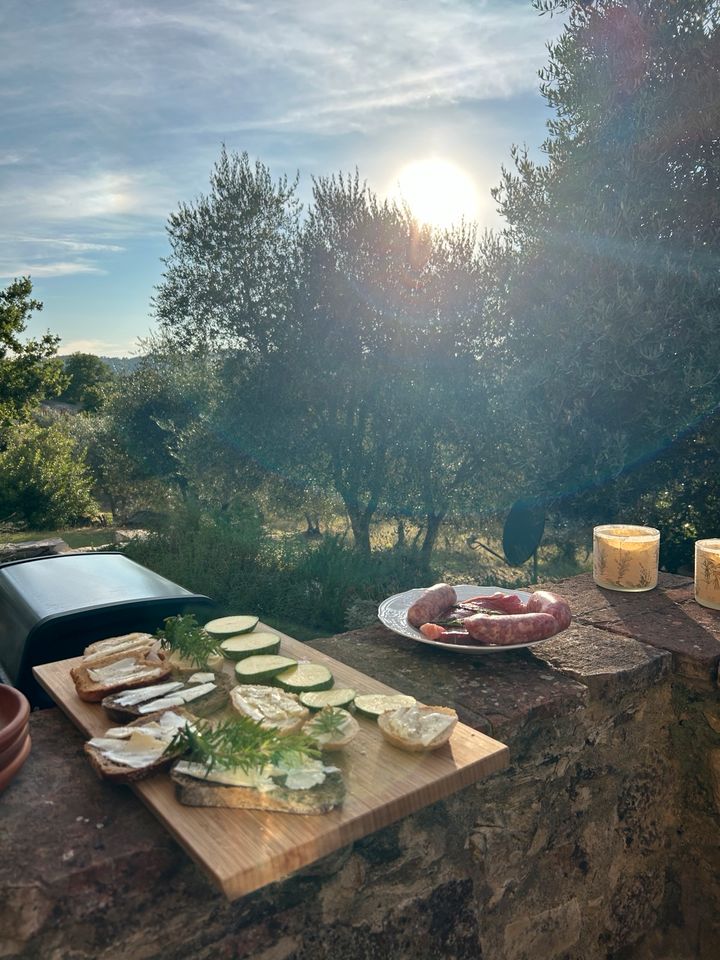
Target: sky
(113, 112)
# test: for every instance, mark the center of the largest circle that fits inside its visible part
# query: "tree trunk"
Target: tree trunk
(434, 522)
(400, 542)
(360, 523)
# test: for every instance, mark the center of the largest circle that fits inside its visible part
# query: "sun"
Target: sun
(437, 192)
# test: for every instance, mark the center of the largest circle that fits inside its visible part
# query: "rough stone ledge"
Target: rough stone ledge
(496, 693)
(667, 618)
(608, 665)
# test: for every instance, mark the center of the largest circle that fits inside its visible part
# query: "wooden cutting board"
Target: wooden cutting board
(242, 850)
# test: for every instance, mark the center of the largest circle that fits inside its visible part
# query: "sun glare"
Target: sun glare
(437, 192)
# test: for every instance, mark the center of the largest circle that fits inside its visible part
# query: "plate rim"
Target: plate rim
(415, 592)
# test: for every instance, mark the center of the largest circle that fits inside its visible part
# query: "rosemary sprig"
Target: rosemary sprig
(184, 636)
(243, 743)
(329, 720)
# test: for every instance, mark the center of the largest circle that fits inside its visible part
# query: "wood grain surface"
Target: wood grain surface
(242, 850)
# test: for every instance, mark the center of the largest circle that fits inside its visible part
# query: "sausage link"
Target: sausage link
(431, 604)
(542, 601)
(506, 630)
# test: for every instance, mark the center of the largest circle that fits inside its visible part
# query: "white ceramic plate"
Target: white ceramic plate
(393, 613)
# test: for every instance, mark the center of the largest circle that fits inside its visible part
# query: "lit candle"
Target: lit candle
(626, 557)
(707, 573)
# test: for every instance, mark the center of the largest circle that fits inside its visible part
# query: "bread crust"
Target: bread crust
(318, 799)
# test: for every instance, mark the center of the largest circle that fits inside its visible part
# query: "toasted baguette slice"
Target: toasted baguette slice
(118, 772)
(318, 799)
(118, 647)
(273, 709)
(332, 728)
(203, 706)
(418, 728)
(99, 680)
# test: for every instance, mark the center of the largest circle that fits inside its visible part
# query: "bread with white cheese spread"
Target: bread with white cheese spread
(99, 679)
(418, 728)
(133, 752)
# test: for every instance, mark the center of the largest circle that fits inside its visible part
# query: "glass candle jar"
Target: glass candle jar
(707, 573)
(626, 557)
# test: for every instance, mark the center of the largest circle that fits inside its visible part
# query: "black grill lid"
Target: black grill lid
(51, 608)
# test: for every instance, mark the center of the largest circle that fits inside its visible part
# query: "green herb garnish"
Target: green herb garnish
(329, 721)
(184, 636)
(242, 743)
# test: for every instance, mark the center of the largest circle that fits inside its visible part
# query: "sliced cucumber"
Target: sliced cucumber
(230, 626)
(373, 704)
(238, 648)
(337, 697)
(258, 668)
(305, 676)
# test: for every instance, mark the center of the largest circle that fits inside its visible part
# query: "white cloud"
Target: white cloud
(76, 246)
(58, 269)
(103, 348)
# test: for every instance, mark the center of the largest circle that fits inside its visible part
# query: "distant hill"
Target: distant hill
(122, 364)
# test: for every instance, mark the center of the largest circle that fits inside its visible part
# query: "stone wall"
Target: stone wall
(598, 842)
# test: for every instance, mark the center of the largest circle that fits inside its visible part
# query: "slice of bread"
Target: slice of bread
(204, 706)
(413, 728)
(118, 646)
(118, 772)
(318, 799)
(272, 708)
(99, 679)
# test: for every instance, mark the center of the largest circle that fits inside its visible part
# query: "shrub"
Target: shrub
(44, 480)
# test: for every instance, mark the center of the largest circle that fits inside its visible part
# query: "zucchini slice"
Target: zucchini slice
(238, 648)
(375, 704)
(337, 697)
(305, 676)
(230, 626)
(255, 669)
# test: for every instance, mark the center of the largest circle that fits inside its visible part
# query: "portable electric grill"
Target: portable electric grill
(52, 607)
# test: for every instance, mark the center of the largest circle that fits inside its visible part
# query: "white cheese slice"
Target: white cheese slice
(132, 697)
(271, 707)
(139, 750)
(126, 669)
(201, 678)
(124, 648)
(164, 728)
(258, 778)
(178, 698)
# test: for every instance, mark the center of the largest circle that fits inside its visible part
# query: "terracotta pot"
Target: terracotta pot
(14, 713)
(14, 748)
(13, 768)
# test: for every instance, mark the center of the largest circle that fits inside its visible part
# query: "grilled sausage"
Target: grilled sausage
(506, 630)
(504, 602)
(431, 604)
(542, 601)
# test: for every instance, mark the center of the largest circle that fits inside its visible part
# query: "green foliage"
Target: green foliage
(29, 370)
(245, 570)
(229, 276)
(90, 380)
(612, 295)
(346, 353)
(183, 635)
(43, 477)
(241, 742)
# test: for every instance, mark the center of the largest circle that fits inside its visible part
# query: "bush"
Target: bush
(44, 480)
(243, 569)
